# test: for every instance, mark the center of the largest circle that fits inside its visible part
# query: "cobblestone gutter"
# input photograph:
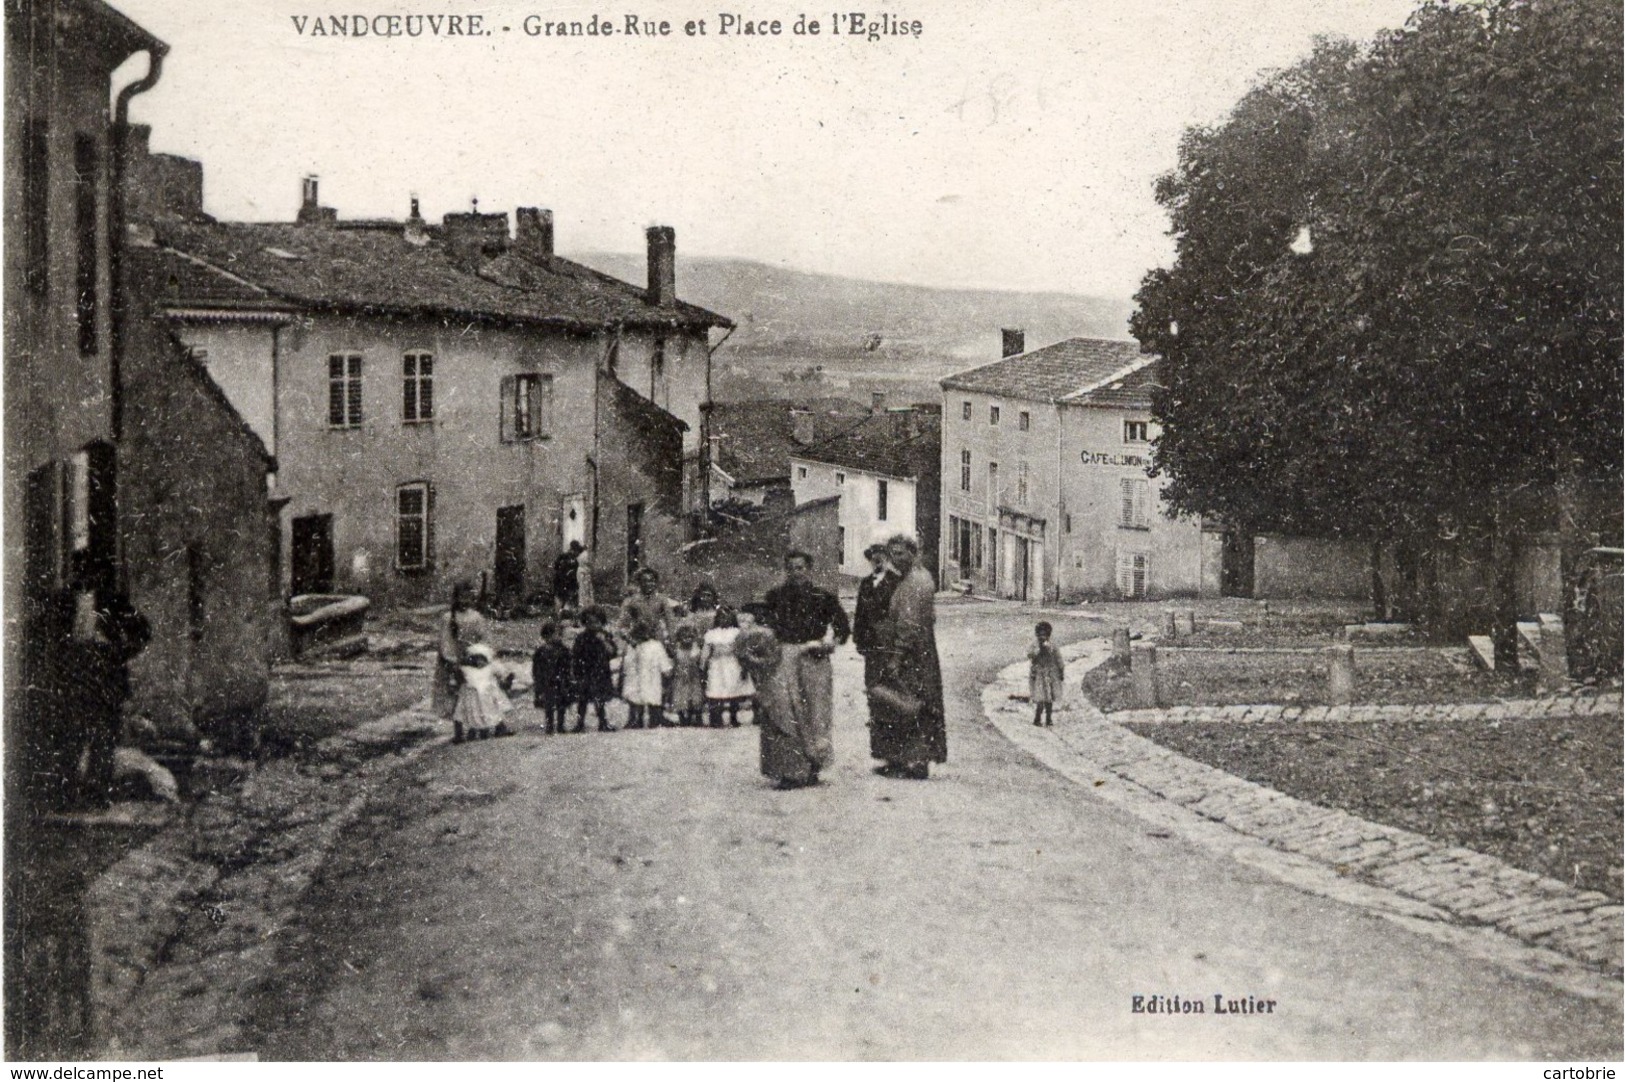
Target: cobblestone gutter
(1393, 871)
(180, 927)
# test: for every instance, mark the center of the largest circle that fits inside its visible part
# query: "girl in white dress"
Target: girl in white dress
(482, 700)
(643, 673)
(726, 684)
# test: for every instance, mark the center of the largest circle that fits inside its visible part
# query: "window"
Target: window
(1066, 522)
(527, 407)
(37, 201)
(992, 483)
(801, 473)
(344, 390)
(880, 500)
(1024, 420)
(840, 541)
(1021, 484)
(1133, 573)
(1136, 504)
(1136, 431)
(840, 478)
(86, 166)
(657, 371)
(417, 387)
(965, 544)
(414, 526)
(964, 411)
(964, 471)
(993, 415)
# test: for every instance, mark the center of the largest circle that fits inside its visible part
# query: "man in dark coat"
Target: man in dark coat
(870, 623)
(566, 588)
(799, 699)
(908, 727)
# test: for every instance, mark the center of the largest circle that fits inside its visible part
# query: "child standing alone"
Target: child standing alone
(1046, 675)
(687, 677)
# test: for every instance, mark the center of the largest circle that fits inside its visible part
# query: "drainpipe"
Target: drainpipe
(115, 229)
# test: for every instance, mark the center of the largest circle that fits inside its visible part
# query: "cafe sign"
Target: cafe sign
(1107, 458)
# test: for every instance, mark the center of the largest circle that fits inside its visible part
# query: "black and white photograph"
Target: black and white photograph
(1061, 530)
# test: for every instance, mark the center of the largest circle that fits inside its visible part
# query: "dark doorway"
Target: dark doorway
(510, 568)
(312, 554)
(634, 539)
(1236, 564)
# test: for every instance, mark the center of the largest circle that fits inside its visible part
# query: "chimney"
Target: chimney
(1015, 342)
(662, 265)
(877, 401)
(311, 211)
(417, 231)
(904, 422)
(473, 236)
(533, 233)
(802, 429)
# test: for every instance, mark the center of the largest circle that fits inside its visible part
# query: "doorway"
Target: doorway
(312, 570)
(510, 561)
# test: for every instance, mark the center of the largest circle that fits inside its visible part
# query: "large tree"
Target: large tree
(1396, 302)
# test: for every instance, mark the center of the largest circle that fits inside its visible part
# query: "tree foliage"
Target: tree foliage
(1453, 333)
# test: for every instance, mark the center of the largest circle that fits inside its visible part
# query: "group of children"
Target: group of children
(694, 673)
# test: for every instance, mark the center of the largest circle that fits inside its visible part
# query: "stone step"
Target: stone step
(1483, 650)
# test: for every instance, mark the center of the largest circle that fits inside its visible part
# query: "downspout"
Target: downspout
(1060, 499)
(116, 226)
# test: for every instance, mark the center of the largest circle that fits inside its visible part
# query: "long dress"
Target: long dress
(912, 667)
(643, 672)
(724, 679)
(481, 702)
(1045, 675)
(468, 627)
(798, 694)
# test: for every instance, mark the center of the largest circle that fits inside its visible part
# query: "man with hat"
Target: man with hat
(869, 627)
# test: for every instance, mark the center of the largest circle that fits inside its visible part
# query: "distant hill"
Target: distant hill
(856, 331)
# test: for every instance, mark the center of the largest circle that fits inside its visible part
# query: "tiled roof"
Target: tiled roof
(377, 270)
(882, 444)
(179, 279)
(757, 435)
(1064, 372)
(1130, 390)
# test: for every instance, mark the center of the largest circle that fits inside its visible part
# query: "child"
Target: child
(589, 663)
(726, 684)
(481, 701)
(550, 677)
(1046, 675)
(643, 674)
(688, 676)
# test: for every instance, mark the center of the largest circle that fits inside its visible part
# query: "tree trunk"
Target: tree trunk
(1505, 547)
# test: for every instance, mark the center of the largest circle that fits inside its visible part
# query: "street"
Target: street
(646, 895)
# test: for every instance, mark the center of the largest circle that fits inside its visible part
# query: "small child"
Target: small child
(688, 676)
(481, 702)
(643, 674)
(589, 662)
(550, 677)
(726, 684)
(1046, 675)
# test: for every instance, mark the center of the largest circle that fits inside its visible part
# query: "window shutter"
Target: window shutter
(541, 407)
(353, 395)
(505, 402)
(1127, 519)
(1125, 574)
(428, 525)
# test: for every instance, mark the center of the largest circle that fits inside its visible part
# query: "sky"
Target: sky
(1005, 146)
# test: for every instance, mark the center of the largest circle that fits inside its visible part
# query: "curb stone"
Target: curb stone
(1529, 924)
(179, 926)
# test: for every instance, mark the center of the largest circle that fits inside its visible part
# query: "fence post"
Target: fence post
(1147, 685)
(1340, 680)
(1185, 622)
(1120, 646)
(1554, 655)
(1169, 627)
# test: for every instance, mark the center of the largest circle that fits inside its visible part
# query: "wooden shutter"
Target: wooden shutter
(505, 402)
(541, 407)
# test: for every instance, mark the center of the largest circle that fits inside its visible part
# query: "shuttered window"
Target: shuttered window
(414, 526)
(527, 407)
(1136, 503)
(344, 390)
(1133, 572)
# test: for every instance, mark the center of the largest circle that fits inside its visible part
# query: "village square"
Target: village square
(423, 644)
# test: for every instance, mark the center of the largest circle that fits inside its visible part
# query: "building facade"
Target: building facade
(885, 470)
(449, 403)
(1045, 489)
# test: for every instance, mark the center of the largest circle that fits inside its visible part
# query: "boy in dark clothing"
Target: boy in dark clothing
(550, 676)
(594, 682)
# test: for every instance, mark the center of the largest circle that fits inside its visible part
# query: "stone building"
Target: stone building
(448, 402)
(1046, 494)
(886, 471)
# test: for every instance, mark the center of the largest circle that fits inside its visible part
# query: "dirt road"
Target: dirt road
(645, 895)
